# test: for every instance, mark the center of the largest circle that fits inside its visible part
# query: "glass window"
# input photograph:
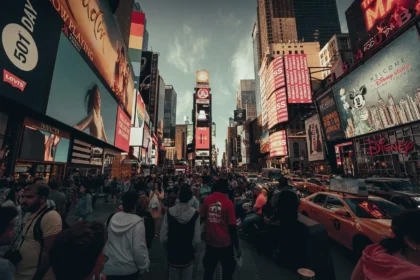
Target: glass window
(372, 208)
(296, 149)
(333, 203)
(319, 199)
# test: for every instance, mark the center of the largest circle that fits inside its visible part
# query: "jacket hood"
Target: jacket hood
(122, 222)
(379, 265)
(182, 212)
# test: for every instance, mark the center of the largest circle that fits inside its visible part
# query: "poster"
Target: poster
(298, 80)
(278, 144)
(329, 116)
(314, 138)
(383, 92)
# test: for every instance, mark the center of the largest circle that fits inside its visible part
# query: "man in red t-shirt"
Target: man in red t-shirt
(218, 214)
(256, 215)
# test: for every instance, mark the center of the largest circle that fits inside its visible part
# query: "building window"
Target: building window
(296, 149)
(283, 52)
(290, 52)
(278, 52)
(302, 51)
(296, 52)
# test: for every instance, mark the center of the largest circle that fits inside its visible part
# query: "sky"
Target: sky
(214, 35)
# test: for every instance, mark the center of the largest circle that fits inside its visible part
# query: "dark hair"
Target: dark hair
(41, 190)
(185, 194)
(90, 97)
(407, 224)
(222, 186)
(286, 207)
(79, 245)
(7, 214)
(129, 201)
(54, 185)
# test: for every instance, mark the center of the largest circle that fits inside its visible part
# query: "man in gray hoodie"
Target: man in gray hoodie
(126, 248)
(180, 235)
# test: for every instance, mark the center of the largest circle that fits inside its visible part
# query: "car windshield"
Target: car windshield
(402, 186)
(297, 180)
(274, 175)
(372, 208)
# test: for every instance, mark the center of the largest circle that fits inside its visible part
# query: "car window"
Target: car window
(333, 203)
(372, 208)
(314, 181)
(379, 186)
(319, 199)
(297, 180)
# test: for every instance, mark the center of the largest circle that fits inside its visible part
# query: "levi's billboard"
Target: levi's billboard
(371, 22)
(30, 31)
(297, 77)
(92, 28)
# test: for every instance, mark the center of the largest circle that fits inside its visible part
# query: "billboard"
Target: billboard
(371, 22)
(203, 115)
(278, 72)
(122, 131)
(383, 92)
(136, 136)
(141, 110)
(314, 139)
(329, 116)
(278, 144)
(145, 70)
(202, 77)
(202, 138)
(190, 134)
(298, 81)
(239, 115)
(277, 108)
(42, 142)
(27, 54)
(153, 98)
(92, 28)
(78, 98)
(203, 96)
(265, 142)
(262, 75)
(135, 44)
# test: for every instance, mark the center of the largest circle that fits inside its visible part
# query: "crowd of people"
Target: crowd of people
(180, 212)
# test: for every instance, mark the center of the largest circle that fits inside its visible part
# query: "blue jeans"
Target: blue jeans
(250, 220)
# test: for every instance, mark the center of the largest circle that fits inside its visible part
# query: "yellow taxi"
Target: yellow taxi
(351, 217)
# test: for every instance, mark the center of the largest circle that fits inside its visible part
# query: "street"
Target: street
(255, 266)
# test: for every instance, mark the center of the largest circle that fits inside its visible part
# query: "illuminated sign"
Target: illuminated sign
(298, 81)
(202, 77)
(278, 144)
(381, 146)
(277, 108)
(203, 93)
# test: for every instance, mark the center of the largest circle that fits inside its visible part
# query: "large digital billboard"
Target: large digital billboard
(202, 138)
(92, 28)
(265, 142)
(277, 108)
(239, 115)
(329, 116)
(203, 115)
(297, 77)
(203, 96)
(314, 138)
(202, 78)
(383, 92)
(371, 22)
(263, 92)
(29, 41)
(278, 144)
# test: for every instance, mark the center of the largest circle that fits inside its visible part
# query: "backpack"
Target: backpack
(37, 232)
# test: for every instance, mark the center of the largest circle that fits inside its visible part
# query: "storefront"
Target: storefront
(85, 159)
(344, 157)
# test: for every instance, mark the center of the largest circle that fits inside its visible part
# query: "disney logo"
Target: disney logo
(377, 147)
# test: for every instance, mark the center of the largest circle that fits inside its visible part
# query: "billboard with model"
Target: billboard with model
(314, 138)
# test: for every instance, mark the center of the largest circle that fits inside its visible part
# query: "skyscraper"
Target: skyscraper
(169, 112)
(257, 56)
(245, 98)
(181, 141)
(316, 20)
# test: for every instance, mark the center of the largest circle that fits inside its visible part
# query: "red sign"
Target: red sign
(277, 108)
(203, 93)
(278, 144)
(278, 72)
(380, 146)
(13, 80)
(122, 131)
(298, 81)
(202, 138)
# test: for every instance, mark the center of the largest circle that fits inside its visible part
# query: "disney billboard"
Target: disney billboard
(385, 91)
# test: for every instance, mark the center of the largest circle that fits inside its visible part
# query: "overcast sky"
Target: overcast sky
(213, 35)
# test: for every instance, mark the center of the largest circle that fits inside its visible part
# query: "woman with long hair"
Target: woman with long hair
(84, 205)
(396, 258)
(156, 197)
(149, 223)
(93, 120)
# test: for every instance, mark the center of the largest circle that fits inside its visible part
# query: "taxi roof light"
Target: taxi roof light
(350, 186)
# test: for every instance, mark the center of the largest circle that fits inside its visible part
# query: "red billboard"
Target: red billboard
(203, 96)
(122, 131)
(202, 138)
(278, 72)
(298, 81)
(278, 144)
(277, 108)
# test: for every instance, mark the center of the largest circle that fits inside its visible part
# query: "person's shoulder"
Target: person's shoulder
(51, 215)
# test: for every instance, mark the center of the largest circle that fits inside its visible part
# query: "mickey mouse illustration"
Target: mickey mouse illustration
(359, 111)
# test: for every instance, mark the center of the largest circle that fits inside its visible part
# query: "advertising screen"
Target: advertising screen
(202, 77)
(84, 153)
(43, 142)
(136, 136)
(278, 72)
(239, 115)
(314, 139)
(77, 96)
(371, 22)
(265, 142)
(202, 138)
(146, 138)
(153, 92)
(383, 92)
(203, 115)
(269, 81)
(262, 75)
(26, 53)
(203, 96)
(298, 81)
(278, 144)
(122, 132)
(136, 43)
(141, 110)
(190, 134)
(145, 70)
(92, 28)
(277, 108)
(329, 116)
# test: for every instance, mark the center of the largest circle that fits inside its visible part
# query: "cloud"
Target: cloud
(187, 49)
(242, 63)
(225, 121)
(184, 106)
(228, 19)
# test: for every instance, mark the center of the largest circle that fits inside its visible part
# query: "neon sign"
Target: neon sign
(375, 12)
(380, 146)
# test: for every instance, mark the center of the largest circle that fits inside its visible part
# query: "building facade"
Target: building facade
(169, 112)
(245, 98)
(181, 141)
(336, 54)
(257, 56)
(160, 111)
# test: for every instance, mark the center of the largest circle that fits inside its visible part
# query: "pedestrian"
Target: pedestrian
(114, 190)
(81, 246)
(394, 258)
(59, 199)
(222, 245)
(150, 184)
(193, 202)
(180, 236)
(156, 197)
(107, 188)
(125, 186)
(39, 232)
(149, 222)
(126, 248)
(84, 205)
(7, 216)
(256, 213)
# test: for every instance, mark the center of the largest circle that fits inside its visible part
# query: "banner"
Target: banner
(153, 97)
(239, 115)
(122, 133)
(91, 27)
(277, 108)
(329, 116)
(372, 22)
(265, 142)
(383, 92)
(202, 138)
(30, 34)
(298, 80)
(278, 144)
(314, 139)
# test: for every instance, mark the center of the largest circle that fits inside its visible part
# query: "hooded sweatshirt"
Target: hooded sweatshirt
(377, 264)
(183, 213)
(126, 246)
